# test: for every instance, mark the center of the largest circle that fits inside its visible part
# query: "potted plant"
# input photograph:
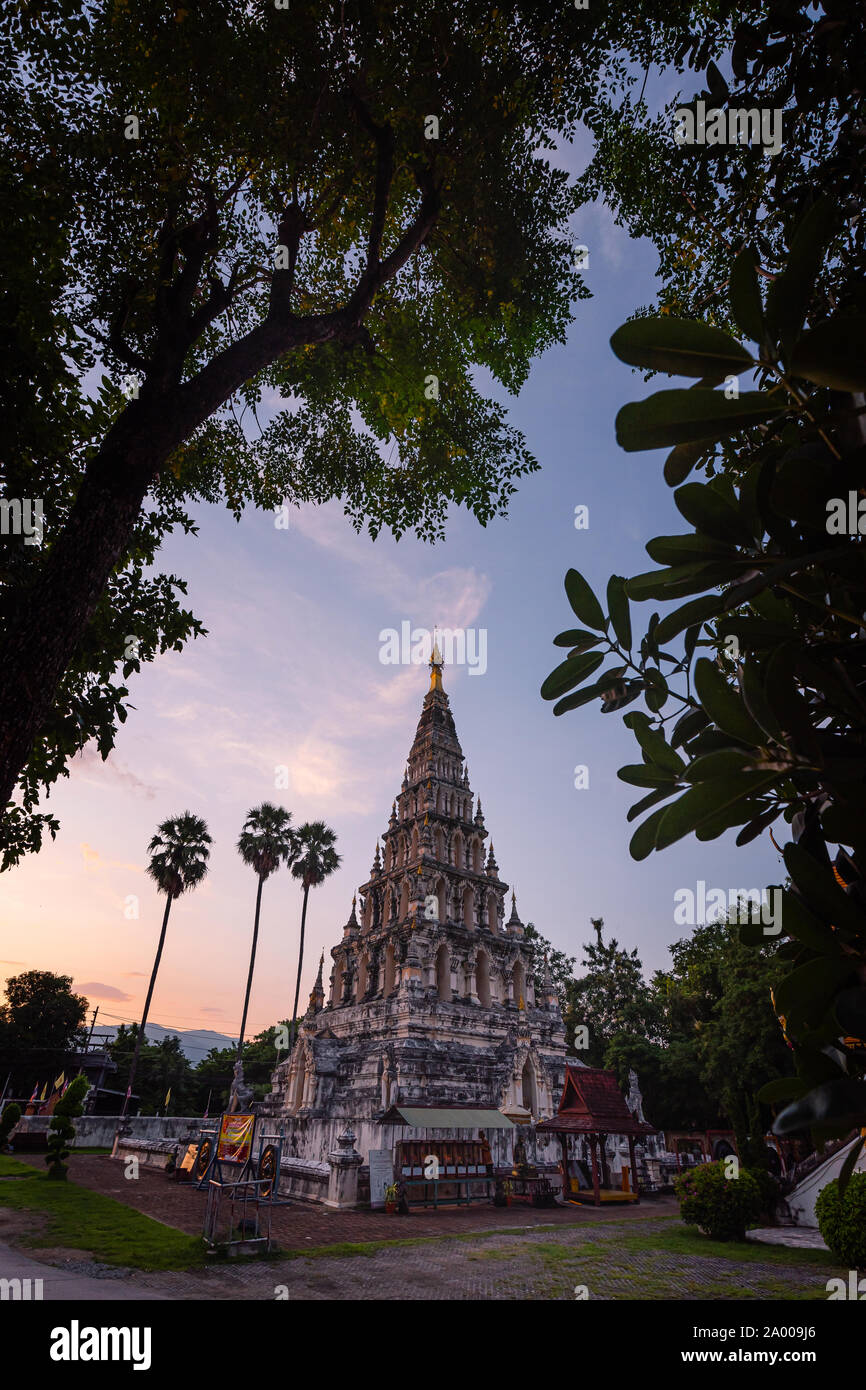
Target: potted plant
(392, 1198)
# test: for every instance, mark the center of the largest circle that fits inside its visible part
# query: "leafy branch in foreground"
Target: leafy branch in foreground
(772, 720)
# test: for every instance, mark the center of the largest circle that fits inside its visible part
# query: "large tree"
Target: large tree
(347, 207)
(41, 1022)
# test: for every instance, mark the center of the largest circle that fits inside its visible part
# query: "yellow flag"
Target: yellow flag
(59, 1080)
(44, 1089)
(168, 1095)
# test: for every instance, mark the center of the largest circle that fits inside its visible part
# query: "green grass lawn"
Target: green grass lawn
(83, 1220)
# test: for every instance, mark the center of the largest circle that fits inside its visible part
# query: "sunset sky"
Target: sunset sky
(290, 674)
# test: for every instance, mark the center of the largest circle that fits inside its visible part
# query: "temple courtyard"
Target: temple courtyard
(75, 1235)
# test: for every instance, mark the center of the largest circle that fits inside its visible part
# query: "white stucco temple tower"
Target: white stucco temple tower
(436, 997)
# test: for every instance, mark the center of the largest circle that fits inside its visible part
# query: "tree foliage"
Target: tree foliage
(760, 711)
(342, 211)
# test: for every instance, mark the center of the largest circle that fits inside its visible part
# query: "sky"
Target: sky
(290, 676)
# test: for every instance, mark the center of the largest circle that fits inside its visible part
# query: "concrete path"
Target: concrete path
(59, 1283)
(796, 1237)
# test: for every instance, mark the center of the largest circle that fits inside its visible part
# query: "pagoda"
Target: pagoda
(436, 998)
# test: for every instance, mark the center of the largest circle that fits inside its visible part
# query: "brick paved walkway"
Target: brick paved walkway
(561, 1254)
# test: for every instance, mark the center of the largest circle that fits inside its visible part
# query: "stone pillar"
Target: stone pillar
(343, 1181)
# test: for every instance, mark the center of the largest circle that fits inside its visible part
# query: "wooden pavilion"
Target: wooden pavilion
(593, 1106)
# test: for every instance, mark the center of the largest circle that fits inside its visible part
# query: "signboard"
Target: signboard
(189, 1158)
(381, 1175)
(235, 1141)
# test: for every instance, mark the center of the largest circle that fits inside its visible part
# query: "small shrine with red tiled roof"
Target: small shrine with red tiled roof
(592, 1106)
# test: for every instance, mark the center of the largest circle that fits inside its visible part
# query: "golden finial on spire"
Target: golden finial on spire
(436, 664)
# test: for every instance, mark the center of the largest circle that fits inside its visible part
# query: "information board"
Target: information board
(381, 1175)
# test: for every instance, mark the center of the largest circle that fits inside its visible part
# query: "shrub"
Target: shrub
(842, 1220)
(62, 1130)
(720, 1207)
(8, 1120)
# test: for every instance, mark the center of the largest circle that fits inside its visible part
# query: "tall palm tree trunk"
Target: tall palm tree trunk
(139, 1040)
(300, 968)
(252, 968)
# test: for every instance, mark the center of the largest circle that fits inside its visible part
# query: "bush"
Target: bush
(62, 1130)
(8, 1120)
(720, 1207)
(842, 1220)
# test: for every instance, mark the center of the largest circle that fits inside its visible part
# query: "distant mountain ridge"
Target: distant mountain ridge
(195, 1043)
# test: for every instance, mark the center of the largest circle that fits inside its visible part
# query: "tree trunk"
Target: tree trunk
(300, 967)
(251, 969)
(139, 1040)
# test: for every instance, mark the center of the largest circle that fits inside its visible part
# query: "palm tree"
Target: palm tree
(179, 853)
(266, 841)
(316, 859)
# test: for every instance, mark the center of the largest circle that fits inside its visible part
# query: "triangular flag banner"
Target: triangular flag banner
(44, 1090)
(35, 1091)
(168, 1095)
(58, 1080)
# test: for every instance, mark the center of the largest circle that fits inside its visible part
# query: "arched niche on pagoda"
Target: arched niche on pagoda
(477, 857)
(414, 844)
(518, 981)
(493, 913)
(458, 850)
(363, 976)
(443, 973)
(338, 978)
(390, 971)
(439, 844)
(403, 909)
(469, 907)
(482, 978)
(442, 899)
(529, 1086)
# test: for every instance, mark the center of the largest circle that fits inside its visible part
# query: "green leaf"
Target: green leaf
(680, 347)
(643, 840)
(724, 706)
(581, 697)
(680, 462)
(617, 606)
(745, 296)
(840, 1103)
(642, 775)
(722, 762)
(657, 689)
(651, 799)
(653, 744)
(822, 892)
(783, 1088)
(682, 417)
(705, 802)
(712, 514)
(577, 637)
(698, 610)
(789, 294)
(833, 354)
(583, 601)
(799, 922)
(688, 724)
(570, 673)
(678, 550)
(803, 997)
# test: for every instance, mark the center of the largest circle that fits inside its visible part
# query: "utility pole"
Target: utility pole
(92, 1026)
